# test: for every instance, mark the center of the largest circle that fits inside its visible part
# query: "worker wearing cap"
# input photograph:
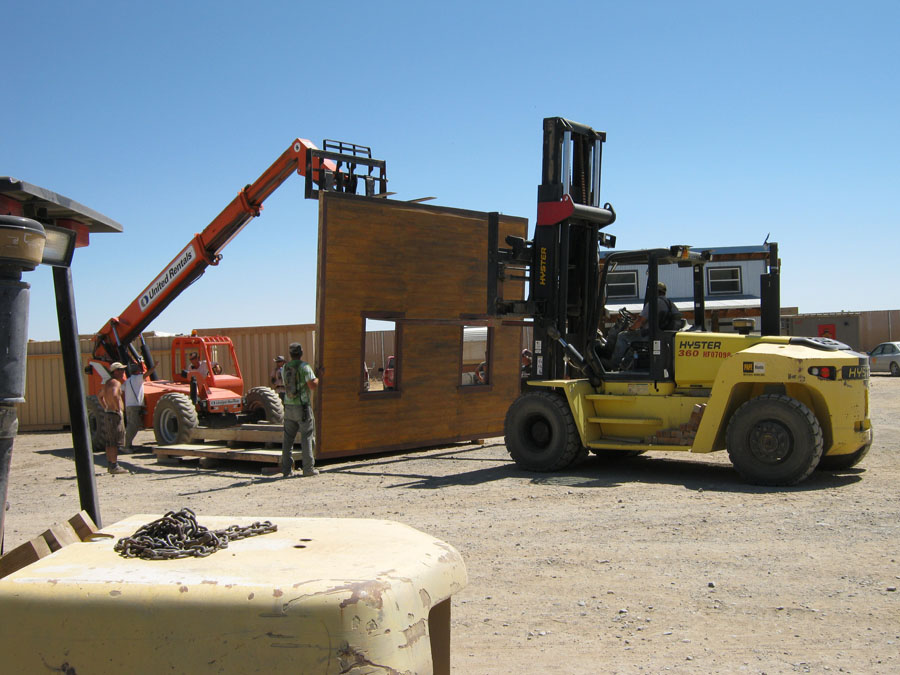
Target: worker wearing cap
(112, 425)
(277, 377)
(198, 368)
(299, 382)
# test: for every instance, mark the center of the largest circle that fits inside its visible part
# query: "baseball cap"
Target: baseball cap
(278, 358)
(115, 365)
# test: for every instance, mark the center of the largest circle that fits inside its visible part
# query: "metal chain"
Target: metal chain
(178, 535)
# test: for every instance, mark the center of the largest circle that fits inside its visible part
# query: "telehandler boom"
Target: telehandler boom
(190, 399)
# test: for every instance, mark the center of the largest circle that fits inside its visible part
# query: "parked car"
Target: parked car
(885, 358)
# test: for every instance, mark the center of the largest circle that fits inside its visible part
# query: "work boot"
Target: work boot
(310, 472)
(116, 469)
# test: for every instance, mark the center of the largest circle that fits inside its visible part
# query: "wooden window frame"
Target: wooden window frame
(489, 357)
(396, 318)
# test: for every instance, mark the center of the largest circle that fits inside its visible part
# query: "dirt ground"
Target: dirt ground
(660, 563)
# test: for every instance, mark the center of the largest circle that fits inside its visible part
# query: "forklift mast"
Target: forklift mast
(561, 264)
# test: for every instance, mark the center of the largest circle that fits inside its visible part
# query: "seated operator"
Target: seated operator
(198, 368)
(668, 318)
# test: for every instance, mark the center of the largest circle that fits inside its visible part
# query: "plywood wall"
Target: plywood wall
(429, 278)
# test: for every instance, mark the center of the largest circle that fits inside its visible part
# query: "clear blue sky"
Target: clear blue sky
(726, 121)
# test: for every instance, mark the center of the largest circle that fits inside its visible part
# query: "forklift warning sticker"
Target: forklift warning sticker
(175, 269)
(754, 368)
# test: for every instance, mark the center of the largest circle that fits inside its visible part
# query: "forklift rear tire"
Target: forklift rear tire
(774, 439)
(540, 432)
(173, 419)
(93, 412)
(838, 462)
(264, 403)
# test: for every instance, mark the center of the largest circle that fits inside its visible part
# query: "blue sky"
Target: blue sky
(726, 121)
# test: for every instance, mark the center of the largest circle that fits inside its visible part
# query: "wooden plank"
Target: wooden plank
(59, 535)
(259, 434)
(223, 452)
(21, 556)
(83, 525)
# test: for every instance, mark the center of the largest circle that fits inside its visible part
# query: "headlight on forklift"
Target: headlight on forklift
(823, 372)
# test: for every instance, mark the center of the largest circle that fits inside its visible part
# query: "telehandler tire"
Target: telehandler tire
(264, 404)
(838, 462)
(540, 432)
(173, 418)
(94, 410)
(774, 439)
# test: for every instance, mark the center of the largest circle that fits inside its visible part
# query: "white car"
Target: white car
(885, 358)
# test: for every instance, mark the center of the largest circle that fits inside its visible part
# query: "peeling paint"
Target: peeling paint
(415, 633)
(251, 596)
(183, 589)
(426, 598)
(115, 593)
(277, 593)
(368, 592)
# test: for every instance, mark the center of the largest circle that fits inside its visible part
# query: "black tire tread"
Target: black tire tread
(185, 411)
(573, 450)
(808, 417)
(267, 399)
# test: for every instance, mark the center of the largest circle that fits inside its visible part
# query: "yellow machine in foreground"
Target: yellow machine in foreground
(781, 406)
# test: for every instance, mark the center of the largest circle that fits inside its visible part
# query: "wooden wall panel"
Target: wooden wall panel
(431, 277)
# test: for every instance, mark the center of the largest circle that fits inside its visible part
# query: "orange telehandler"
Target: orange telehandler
(214, 395)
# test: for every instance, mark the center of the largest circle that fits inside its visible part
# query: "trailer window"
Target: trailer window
(724, 280)
(622, 284)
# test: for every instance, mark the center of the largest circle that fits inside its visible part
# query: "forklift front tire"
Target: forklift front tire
(540, 432)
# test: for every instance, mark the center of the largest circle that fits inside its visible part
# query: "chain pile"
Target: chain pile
(177, 535)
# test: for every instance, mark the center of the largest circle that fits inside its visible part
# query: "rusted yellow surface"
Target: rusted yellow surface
(322, 595)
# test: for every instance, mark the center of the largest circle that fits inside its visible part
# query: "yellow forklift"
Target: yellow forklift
(781, 406)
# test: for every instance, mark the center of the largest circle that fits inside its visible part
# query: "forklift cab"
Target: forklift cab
(217, 364)
(653, 351)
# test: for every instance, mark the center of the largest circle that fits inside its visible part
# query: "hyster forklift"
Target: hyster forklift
(780, 406)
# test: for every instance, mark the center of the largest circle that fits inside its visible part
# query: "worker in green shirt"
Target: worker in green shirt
(299, 382)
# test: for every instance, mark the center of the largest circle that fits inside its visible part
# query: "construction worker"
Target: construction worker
(134, 402)
(299, 382)
(668, 318)
(277, 377)
(198, 368)
(113, 427)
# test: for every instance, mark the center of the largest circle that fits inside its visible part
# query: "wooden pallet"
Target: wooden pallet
(211, 451)
(221, 444)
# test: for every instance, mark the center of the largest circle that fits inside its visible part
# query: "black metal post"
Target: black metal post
(14, 296)
(71, 354)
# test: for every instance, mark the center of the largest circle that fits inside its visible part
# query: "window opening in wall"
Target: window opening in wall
(380, 367)
(622, 284)
(724, 280)
(475, 366)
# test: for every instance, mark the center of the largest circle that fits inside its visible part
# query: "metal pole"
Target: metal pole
(14, 296)
(71, 353)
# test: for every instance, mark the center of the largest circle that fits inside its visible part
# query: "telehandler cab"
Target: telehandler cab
(781, 406)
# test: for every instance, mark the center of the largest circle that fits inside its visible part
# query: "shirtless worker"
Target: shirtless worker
(112, 426)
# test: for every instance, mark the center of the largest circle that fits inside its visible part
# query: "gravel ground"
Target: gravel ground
(659, 563)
